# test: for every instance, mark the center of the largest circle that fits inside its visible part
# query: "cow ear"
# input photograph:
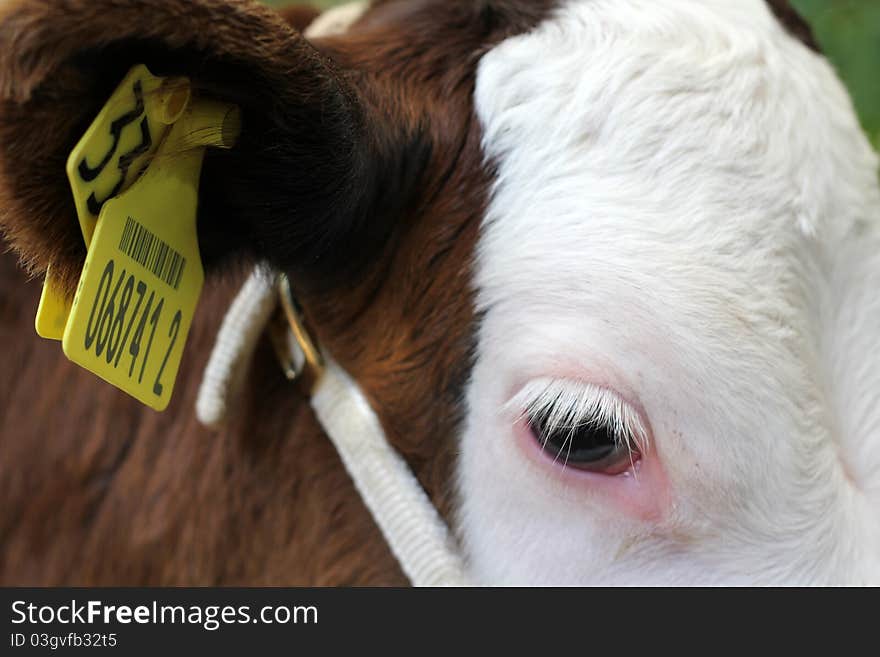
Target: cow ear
(300, 187)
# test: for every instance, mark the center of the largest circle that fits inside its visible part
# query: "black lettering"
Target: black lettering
(154, 320)
(172, 333)
(107, 278)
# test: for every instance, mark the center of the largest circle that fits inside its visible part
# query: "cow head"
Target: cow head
(607, 271)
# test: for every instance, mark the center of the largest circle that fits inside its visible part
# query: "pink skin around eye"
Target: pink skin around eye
(640, 491)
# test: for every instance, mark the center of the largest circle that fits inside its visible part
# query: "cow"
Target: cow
(606, 272)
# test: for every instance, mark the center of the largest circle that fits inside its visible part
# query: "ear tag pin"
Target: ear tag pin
(109, 158)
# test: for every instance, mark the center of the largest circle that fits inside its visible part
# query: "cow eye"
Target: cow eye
(588, 446)
(583, 426)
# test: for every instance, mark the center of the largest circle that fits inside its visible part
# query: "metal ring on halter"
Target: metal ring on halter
(300, 358)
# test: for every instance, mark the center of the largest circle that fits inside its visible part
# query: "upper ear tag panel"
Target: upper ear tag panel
(121, 141)
(109, 158)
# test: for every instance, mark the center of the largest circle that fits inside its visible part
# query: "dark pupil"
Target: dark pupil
(583, 444)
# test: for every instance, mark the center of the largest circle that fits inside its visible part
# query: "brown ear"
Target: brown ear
(301, 188)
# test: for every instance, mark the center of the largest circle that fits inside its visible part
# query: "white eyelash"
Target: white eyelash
(568, 405)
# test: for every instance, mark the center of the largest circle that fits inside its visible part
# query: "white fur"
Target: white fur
(685, 212)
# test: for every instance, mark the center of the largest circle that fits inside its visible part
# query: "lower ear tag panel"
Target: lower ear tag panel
(142, 279)
(53, 311)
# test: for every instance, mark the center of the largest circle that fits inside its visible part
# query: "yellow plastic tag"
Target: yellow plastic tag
(143, 274)
(53, 311)
(110, 156)
(121, 140)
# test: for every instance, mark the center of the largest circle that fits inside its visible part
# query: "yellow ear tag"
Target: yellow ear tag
(53, 311)
(121, 141)
(111, 155)
(143, 274)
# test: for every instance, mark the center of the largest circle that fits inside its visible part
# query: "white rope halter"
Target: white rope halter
(415, 532)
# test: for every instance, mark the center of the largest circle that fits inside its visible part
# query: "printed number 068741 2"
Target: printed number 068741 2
(110, 324)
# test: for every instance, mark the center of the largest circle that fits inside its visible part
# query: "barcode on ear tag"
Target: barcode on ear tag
(149, 251)
(141, 283)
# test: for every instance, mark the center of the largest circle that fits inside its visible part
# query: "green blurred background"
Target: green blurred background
(849, 31)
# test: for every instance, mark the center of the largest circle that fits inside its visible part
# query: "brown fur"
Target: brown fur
(98, 490)
(59, 61)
